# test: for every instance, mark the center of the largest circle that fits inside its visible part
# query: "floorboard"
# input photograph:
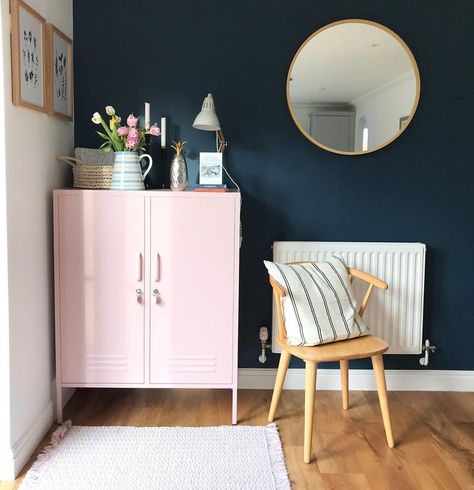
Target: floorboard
(434, 432)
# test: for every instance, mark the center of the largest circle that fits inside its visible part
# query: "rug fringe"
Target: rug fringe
(45, 456)
(277, 458)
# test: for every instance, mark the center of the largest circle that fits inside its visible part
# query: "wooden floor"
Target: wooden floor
(434, 432)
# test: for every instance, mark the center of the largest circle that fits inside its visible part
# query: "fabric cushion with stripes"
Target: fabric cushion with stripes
(319, 306)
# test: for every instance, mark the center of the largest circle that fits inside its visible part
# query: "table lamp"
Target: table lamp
(207, 120)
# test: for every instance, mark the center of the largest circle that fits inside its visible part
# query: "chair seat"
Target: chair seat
(357, 348)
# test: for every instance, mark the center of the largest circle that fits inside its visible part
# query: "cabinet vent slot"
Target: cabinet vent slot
(193, 364)
(106, 362)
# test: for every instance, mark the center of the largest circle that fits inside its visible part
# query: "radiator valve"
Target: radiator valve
(427, 349)
(263, 336)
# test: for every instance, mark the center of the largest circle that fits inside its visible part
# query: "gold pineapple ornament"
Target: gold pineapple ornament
(178, 168)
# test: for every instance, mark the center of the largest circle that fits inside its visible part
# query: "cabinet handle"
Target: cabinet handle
(140, 268)
(156, 295)
(139, 294)
(157, 276)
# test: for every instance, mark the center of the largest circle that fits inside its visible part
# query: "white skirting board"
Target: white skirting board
(20, 452)
(362, 379)
(13, 459)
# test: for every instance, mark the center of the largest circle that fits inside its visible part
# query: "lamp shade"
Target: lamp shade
(207, 118)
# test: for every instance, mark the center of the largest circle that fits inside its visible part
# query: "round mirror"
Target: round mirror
(353, 87)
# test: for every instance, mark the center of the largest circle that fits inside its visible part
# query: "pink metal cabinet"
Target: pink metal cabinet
(146, 289)
(192, 247)
(100, 242)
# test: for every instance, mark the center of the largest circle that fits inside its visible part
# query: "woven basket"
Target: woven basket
(89, 176)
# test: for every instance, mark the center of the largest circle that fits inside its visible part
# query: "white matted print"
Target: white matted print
(210, 168)
(28, 34)
(60, 74)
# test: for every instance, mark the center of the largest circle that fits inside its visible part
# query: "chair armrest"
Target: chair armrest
(378, 283)
(276, 287)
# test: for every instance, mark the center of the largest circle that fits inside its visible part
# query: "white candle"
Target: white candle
(147, 115)
(163, 132)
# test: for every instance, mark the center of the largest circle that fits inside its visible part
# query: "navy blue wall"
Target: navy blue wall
(419, 188)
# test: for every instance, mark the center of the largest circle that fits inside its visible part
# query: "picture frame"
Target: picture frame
(210, 168)
(28, 57)
(59, 73)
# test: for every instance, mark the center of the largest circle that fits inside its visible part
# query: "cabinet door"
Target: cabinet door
(334, 129)
(193, 260)
(101, 265)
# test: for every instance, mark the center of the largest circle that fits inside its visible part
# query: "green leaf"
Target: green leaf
(109, 133)
(102, 135)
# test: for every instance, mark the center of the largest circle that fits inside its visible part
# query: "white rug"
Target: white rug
(161, 458)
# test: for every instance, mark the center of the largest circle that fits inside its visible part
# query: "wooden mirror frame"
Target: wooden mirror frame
(415, 102)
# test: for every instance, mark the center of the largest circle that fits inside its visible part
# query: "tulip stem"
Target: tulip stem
(110, 135)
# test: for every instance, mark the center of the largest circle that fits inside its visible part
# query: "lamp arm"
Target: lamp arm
(221, 143)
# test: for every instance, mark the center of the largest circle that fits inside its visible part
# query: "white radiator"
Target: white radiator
(396, 314)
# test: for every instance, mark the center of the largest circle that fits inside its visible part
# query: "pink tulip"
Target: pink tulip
(132, 121)
(155, 130)
(122, 131)
(132, 138)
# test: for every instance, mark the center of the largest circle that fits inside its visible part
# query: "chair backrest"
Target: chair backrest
(279, 292)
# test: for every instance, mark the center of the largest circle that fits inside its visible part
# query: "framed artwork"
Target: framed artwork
(59, 74)
(210, 168)
(28, 63)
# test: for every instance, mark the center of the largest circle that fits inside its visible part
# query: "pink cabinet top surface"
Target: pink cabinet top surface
(231, 194)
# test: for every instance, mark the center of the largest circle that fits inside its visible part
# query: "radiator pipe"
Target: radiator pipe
(427, 349)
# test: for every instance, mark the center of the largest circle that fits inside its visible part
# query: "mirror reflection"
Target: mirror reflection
(353, 87)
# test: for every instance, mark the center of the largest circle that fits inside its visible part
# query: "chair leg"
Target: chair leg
(345, 383)
(311, 370)
(280, 379)
(377, 363)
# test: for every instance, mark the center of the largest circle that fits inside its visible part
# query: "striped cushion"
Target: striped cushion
(319, 306)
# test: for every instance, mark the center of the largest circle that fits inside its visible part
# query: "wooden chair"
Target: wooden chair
(342, 351)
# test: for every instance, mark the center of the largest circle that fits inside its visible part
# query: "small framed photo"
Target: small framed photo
(210, 168)
(59, 74)
(28, 57)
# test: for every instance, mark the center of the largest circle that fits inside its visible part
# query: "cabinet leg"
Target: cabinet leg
(234, 406)
(59, 404)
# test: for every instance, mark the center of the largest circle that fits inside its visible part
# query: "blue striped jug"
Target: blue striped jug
(127, 174)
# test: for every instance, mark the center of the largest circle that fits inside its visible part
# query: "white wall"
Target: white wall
(6, 462)
(33, 140)
(383, 108)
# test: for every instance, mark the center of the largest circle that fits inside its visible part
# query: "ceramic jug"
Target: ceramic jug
(127, 174)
